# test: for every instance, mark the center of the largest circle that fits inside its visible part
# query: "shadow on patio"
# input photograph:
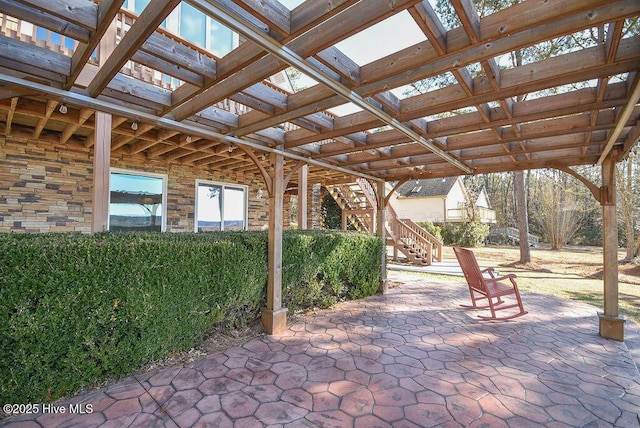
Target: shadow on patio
(411, 358)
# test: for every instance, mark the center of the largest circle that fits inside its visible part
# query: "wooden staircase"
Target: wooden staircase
(358, 204)
(418, 246)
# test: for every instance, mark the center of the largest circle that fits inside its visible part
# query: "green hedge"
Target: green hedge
(469, 234)
(81, 309)
(320, 268)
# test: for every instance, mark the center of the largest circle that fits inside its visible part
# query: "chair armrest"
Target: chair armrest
(488, 270)
(510, 276)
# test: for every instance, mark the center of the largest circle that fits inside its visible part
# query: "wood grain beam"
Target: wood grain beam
(428, 21)
(248, 53)
(162, 45)
(312, 12)
(166, 146)
(515, 82)
(625, 114)
(51, 106)
(12, 110)
(333, 58)
(528, 114)
(101, 163)
(45, 20)
(33, 58)
(79, 12)
(412, 58)
(144, 145)
(107, 10)
(614, 35)
(270, 12)
(313, 41)
(84, 115)
(145, 25)
(468, 16)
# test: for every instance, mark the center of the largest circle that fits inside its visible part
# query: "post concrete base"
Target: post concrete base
(274, 322)
(384, 286)
(611, 327)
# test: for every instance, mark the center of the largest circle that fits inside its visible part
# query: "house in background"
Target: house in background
(441, 200)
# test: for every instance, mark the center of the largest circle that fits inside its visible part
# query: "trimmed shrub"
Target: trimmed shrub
(321, 268)
(431, 228)
(81, 309)
(469, 234)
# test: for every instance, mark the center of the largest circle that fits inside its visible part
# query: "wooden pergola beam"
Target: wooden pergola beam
(145, 25)
(515, 82)
(12, 110)
(309, 43)
(373, 75)
(271, 12)
(78, 12)
(107, 10)
(47, 20)
(293, 59)
(634, 96)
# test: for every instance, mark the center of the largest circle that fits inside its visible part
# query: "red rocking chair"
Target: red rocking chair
(481, 287)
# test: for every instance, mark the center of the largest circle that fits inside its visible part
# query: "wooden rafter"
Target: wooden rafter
(621, 120)
(105, 14)
(12, 110)
(497, 133)
(145, 25)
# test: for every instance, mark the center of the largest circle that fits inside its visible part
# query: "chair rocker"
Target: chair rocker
(491, 288)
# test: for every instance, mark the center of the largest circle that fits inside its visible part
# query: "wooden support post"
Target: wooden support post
(611, 324)
(382, 233)
(344, 220)
(274, 316)
(101, 163)
(302, 197)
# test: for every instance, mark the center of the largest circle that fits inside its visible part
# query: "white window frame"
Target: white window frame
(222, 185)
(164, 178)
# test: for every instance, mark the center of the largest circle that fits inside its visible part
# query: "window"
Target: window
(194, 26)
(136, 5)
(220, 207)
(137, 201)
(220, 39)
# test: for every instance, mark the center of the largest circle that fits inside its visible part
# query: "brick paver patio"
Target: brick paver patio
(411, 358)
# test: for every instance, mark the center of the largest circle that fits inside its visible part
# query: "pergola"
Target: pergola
(129, 87)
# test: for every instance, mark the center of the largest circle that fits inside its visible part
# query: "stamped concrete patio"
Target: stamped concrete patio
(411, 358)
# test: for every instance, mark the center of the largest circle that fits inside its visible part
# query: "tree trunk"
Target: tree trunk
(627, 208)
(523, 218)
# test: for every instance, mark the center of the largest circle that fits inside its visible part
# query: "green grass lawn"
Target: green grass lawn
(566, 273)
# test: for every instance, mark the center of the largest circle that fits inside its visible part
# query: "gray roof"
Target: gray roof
(427, 187)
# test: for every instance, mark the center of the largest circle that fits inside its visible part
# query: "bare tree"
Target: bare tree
(557, 208)
(629, 197)
(523, 216)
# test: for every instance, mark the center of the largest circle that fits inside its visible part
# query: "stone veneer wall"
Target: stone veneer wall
(47, 187)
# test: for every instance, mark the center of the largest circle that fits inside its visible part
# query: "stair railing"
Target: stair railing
(351, 207)
(405, 236)
(437, 244)
(404, 233)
